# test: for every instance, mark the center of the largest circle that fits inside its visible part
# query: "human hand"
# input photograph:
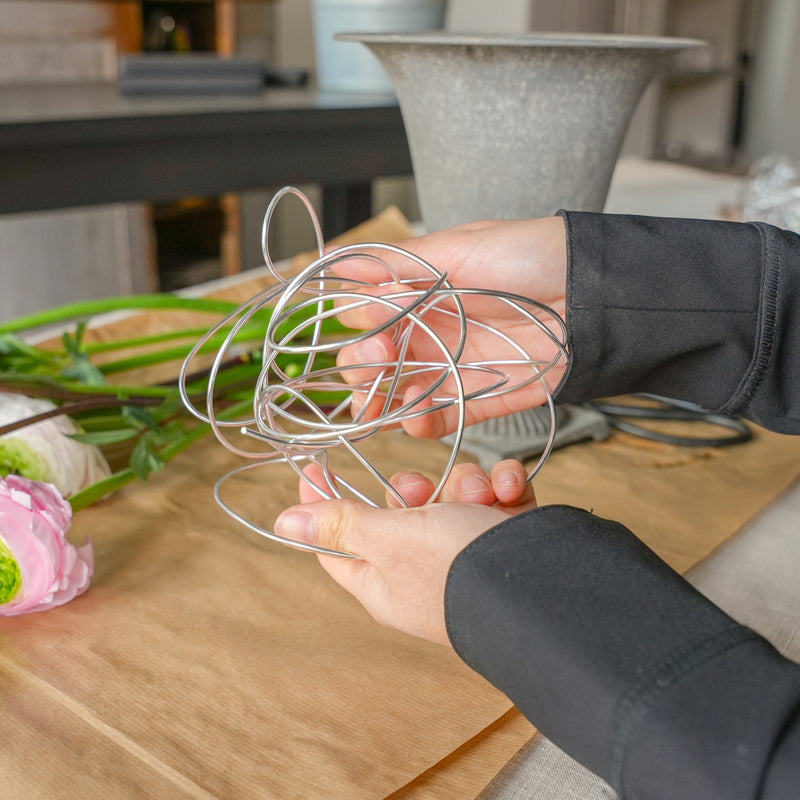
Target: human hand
(403, 555)
(523, 257)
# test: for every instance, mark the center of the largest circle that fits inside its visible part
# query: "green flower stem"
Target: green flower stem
(97, 491)
(251, 331)
(91, 494)
(12, 346)
(177, 352)
(147, 359)
(91, 423)
(141, 302)
(90, 348)
(60, 389)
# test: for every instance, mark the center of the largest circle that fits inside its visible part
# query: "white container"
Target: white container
(351, 67)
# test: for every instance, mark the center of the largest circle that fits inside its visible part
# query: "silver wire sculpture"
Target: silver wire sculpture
(293, 418)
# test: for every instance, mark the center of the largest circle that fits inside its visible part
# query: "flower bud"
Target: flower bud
(43, 451)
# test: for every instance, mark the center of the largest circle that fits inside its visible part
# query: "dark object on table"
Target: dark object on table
(194, 73)
(286, 77)
(620, 416)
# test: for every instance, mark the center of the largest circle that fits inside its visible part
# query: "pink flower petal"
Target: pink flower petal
(33, 558)
(45, 499)
(34, 519)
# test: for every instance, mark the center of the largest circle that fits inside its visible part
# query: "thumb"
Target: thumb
(339, 526)
(330, 524)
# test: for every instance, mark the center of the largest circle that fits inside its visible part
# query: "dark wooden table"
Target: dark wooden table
(85, 144)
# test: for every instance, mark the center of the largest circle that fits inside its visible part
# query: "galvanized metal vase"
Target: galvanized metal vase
(514, 127)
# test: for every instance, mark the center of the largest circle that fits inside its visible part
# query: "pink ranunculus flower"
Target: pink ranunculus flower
(39, 568)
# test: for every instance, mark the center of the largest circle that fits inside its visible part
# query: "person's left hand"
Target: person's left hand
(404, 554)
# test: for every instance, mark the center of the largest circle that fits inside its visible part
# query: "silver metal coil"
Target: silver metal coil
(295, 423)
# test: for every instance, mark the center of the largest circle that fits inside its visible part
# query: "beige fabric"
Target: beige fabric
(541, 770)
(754, 575)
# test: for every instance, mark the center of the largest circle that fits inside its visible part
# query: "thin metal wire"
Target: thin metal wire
(296, 427)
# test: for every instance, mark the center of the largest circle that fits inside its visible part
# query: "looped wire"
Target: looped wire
(305, 407)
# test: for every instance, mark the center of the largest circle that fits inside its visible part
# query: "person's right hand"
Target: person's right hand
(523, 257)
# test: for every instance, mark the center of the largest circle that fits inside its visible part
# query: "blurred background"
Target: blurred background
(720, 111)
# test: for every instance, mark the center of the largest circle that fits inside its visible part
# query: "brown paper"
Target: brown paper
(207, 662)
(235, 664)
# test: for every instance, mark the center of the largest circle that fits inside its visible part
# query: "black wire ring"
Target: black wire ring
(672, 410)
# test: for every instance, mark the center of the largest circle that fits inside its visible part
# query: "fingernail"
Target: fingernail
(371, 351)
(508, 478)
(474, 484)
(295, 525)
(409, 479)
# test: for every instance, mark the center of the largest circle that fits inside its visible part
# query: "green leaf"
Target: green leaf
(92, 421)
(20, 358)
(82, 370)
(100, 438)
(139, 417)
(72, 342)
(144, 460)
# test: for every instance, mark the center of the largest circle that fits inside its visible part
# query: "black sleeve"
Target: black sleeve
(610, 653)
(699, 310)
(620, 662)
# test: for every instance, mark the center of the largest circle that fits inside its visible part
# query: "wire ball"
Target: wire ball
(305, 411)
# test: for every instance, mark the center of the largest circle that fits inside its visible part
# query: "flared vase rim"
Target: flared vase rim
(566, 40)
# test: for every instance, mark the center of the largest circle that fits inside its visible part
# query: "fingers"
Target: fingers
(468, 483)
(433, 425)
(424, 426)
(364, 361)
(301, 524)
(507, 485)
(379, 265)
(335, 525)
(345, 526)
(362, 364)
(368, 307)
(314, 477)
(510, 482)
(361, 315)
(414, 487)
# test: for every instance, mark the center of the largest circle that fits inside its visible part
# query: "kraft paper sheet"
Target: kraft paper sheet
(206, 662)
